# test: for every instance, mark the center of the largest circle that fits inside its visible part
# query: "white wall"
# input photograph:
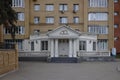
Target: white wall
(89, 45)
(37, 45)
(26, 45)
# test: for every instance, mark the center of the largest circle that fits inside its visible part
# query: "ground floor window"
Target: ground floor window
(94, 46)
(32, 46)
(44, 45)
(82, 45)
(18, 41)
(102, 44)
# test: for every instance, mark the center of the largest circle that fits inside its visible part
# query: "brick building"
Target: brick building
(87, 16)
(117, 25)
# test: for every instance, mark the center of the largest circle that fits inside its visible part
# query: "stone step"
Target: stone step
(41, 59)
(62, 60)
(96, 59)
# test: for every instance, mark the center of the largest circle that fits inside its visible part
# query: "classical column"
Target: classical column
(52, 48)
(70, 48)
(74, 47)
(56, 47)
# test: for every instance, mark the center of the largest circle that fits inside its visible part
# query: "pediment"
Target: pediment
(63, 32)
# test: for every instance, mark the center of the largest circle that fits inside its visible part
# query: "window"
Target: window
(17, 3)
(44, 45)
(63, 20)
(7, 31)
(116, 13)
(115, 1)
(18, 41)
(102, 44)
(98, 3)
(63, 7)
(20, 16)
(75, 7)
(98, 29)
(76, 20)
(94, 46)
(98, 16)
(32, 46)
(19, 30)
(36, 7)
(49, 7)
(49, 20)
(82, 45)
(36, 20)
(116, 25)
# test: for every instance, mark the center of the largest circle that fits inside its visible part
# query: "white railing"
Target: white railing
(94, 53)
(34, 53)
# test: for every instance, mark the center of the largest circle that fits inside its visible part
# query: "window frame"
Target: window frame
(102, 44)
(98, 16)
(20, 16)
(36, 20)
(98, 3)
(49, 7)
(63, 7)
(82, 45)
(32, 46)
(44, 45)
(63, 20)
(76, 20)
(50, 20)
(18, 3)
(75, 7)
(36, 7)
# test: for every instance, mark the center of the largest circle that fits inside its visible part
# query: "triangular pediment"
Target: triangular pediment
(63, 32)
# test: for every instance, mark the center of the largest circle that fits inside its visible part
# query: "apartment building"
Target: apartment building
(92, 19)
(117, 25)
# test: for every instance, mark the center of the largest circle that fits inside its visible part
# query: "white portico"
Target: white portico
(62, 42)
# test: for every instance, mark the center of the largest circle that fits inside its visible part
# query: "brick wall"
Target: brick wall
(8, 60)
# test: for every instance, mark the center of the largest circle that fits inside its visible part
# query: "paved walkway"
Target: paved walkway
(65, 71)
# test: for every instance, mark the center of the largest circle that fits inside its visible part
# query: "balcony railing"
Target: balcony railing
(93, 53)
(34, 53)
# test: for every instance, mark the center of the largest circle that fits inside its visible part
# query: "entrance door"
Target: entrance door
(63, 47)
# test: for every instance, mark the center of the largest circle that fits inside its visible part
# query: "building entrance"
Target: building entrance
(63, 47)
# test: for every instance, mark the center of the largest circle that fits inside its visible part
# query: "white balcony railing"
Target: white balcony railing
(93, 53)
(34, 53)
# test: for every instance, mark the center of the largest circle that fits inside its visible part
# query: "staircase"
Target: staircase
(62, 60)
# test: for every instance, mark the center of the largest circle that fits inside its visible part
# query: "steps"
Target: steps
(67, 59)
(62, 60)
(105, 59)
(41, 59)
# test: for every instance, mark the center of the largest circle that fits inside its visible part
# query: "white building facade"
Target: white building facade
(62, 42)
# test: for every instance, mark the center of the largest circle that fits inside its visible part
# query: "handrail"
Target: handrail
(94, 53)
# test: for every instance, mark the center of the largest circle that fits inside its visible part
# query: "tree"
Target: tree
(8, 17)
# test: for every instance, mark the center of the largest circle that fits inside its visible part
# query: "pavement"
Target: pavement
(65, 71)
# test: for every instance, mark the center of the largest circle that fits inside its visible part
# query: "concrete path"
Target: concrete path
(65, 71)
